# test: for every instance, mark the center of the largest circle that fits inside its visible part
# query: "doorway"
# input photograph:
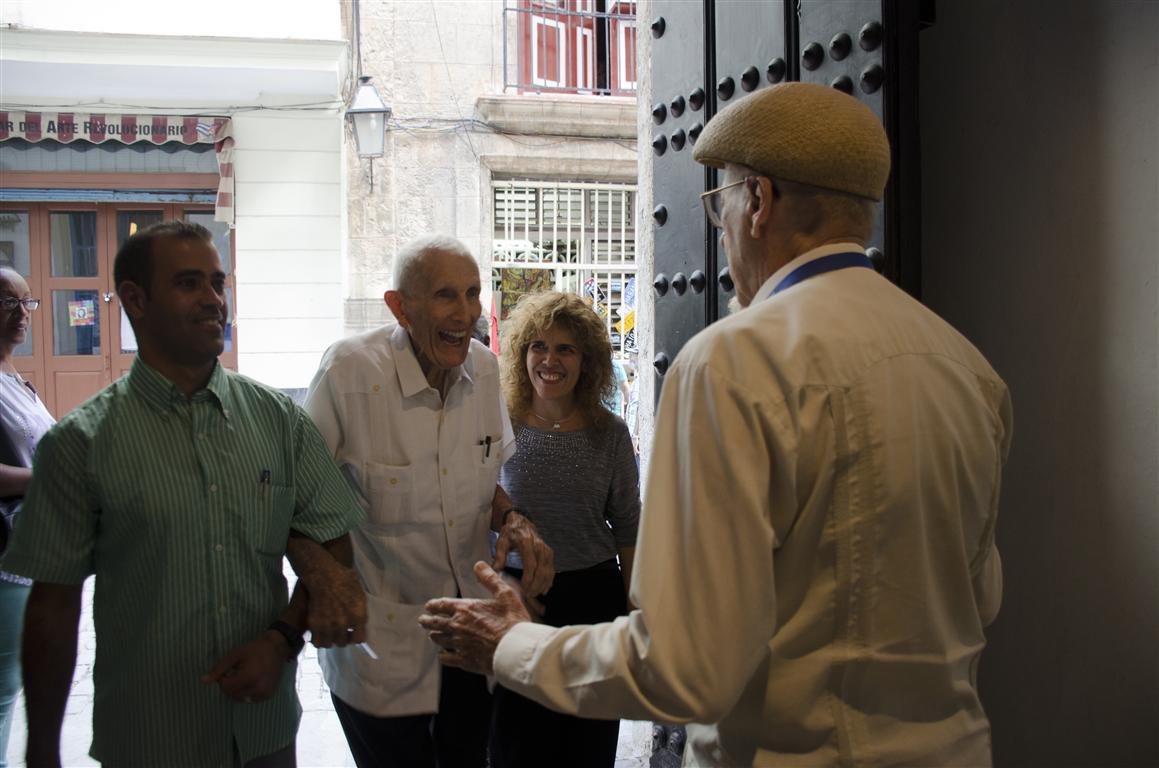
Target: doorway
(80, 340)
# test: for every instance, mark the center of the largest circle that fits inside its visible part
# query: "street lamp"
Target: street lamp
(369, 114)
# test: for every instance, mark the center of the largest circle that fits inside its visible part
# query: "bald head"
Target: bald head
(413, 261)
(14, 321)
(12, 283)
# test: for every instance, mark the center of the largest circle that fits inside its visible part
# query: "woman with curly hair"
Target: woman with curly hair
(574, 474)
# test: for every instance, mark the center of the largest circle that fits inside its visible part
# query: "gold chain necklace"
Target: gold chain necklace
(555, 423)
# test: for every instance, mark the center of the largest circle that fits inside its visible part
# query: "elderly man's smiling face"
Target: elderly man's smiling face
(440, 310)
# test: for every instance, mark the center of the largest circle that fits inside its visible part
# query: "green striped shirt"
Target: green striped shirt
(164, 501)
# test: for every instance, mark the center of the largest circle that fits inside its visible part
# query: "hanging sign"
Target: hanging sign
(66, 127)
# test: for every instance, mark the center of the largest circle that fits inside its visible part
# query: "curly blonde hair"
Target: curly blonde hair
(534, 314)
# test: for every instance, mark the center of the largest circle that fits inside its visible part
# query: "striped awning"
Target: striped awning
(66, 127)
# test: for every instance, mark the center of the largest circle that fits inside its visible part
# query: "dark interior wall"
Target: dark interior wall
(1040, 142)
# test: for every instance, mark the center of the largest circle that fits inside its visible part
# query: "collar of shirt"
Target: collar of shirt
(766, 289)
(160, 393)
(411, 380)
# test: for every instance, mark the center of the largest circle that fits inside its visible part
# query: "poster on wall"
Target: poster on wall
(595, 297)
(81, 313)
(516, 282)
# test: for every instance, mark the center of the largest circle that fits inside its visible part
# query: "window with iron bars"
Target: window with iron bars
(568, 236)
(571, 46)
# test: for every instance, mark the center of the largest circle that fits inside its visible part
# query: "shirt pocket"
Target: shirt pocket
(390, 493)
(405, 655)
(487, 464)
(269, 526)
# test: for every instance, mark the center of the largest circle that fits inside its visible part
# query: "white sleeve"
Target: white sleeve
(323, 405)
(507, 444)
(703, 577)
(986, 572)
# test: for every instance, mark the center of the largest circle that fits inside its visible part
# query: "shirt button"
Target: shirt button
(450, 523)
(394, 481)
(221, 609)
(213, 488)
(217, 548)
(375, 387)
(444, 470)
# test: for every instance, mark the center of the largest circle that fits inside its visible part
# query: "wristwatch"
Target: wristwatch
(294, 637)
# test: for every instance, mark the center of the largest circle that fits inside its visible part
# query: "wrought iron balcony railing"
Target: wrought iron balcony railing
(570, 46)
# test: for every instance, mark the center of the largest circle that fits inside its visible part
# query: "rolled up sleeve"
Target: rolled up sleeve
(55, 536)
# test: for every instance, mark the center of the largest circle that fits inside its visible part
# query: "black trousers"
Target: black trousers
(527, 735)
(454, 737)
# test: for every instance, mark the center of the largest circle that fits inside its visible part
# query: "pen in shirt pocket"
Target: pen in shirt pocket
(264, 482)
(485, 444)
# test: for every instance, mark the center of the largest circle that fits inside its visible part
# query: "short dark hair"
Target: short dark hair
(134, 260)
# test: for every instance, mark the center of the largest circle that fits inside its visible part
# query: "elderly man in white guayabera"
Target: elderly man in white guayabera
(413, 413)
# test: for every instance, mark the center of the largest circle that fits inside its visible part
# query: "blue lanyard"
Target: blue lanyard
(819, 266)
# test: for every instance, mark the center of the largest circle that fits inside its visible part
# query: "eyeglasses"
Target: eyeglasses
(711, 201)
(9, 303)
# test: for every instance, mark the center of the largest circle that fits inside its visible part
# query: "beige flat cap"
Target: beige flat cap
(802, 132)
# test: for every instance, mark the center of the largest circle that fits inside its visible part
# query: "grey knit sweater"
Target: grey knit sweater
(581, 489)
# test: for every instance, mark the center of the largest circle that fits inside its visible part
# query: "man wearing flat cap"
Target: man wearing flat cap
(816, 557)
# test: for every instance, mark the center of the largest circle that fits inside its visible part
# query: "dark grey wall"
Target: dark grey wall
(1041, 243)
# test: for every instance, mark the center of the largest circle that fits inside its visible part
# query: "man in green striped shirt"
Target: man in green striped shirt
(180, 487)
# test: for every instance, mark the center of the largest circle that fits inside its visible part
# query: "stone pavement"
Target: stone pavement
(320, 740)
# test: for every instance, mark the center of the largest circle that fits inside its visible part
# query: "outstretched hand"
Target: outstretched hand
(469, 630)
(519, 533)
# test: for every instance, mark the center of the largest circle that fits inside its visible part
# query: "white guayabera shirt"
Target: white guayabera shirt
(816, 557)
(427, 471)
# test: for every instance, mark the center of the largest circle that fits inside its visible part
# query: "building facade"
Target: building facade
(111, 119)
(513, 128)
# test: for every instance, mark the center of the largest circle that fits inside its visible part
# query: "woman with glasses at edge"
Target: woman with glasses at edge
(574, 475)
(23, 420)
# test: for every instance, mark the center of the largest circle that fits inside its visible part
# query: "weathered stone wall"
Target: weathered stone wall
(645, 239)
(433, 63)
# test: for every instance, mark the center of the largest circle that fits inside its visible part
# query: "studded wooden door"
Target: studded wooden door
(706, 54)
